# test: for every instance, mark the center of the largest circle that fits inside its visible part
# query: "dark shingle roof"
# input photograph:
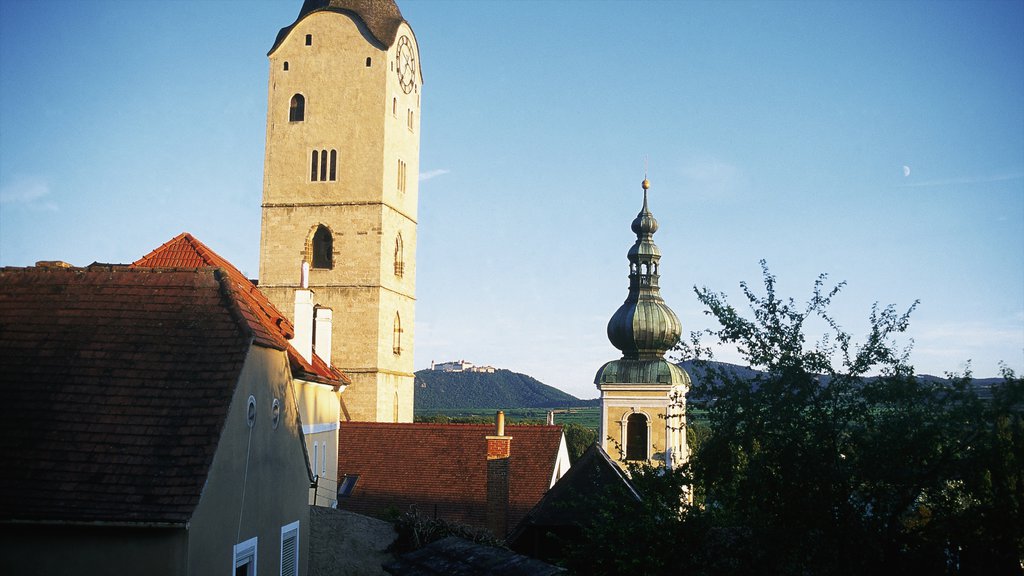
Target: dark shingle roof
(272, 327)
(453, 556)
(117, 382)
(382, 17)
(590, 476)
(442, 468)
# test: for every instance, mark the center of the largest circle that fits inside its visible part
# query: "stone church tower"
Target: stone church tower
(643, 396)
(340, 190)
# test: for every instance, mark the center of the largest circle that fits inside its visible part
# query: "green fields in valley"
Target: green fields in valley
(588, 416)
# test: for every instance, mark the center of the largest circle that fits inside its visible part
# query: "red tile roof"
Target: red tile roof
(442, 468)
(185, 251)
(117, 383)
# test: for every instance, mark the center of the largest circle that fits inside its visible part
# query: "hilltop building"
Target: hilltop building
(643, 396)
(461, 366)
(153, 429)
(340, 190)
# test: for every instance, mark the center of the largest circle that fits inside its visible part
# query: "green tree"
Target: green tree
(577, 439)
(830, 457)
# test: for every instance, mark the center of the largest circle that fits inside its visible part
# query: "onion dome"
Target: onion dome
(644, 327)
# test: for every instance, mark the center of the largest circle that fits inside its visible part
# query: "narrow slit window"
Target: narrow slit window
(368, 61)
(314, 164)
(323, 165)
(309, 39)
(285, 65)
(397, 336)
(334, 165)
(399, 256)
(401, 176)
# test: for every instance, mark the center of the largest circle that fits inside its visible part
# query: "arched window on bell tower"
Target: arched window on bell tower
(399, 256)
(396, 340)
(297, 109)
(636, 437)
(320, 250)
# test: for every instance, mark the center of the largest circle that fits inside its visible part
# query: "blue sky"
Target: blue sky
(775, 130)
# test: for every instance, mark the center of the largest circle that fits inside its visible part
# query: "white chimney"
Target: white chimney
(303, 341)
(322, 334)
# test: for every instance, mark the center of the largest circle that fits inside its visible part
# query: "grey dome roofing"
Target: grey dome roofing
(382, 17)
(659, 371)
(644, 327)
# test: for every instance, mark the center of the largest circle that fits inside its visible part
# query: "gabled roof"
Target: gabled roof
(592, 474)
(442, 468)
(185, 251)
(565, 507)
(117, 382)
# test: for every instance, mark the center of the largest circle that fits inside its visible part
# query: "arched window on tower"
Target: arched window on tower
(297, 109)
(396, 342)
(399, 256)
(636, 437)
(321, 249)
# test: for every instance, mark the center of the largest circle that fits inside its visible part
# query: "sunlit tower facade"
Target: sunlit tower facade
(340, 190)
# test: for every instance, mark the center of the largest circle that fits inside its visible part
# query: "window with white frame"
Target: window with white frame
(316, 448)
(290, 549)
(323, 459)
(245, 558)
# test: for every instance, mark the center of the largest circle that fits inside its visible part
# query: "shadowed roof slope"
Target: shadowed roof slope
(185, 251)
(117, 383)
(442, 468)
(566, 505)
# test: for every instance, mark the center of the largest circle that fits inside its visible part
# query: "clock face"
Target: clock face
(406, 64)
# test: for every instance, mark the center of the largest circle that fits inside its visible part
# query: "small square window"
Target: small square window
(346, 485)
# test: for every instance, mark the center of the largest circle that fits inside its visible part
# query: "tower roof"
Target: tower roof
(644, 327)
(382, 17)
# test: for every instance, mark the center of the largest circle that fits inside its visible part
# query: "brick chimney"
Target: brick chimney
(499, 449)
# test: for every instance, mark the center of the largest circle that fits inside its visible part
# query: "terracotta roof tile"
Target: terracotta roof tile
(270, 326)
(118, 382)
(442, 468)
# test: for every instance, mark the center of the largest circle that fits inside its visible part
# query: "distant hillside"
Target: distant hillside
(437, 390)
(983, 386)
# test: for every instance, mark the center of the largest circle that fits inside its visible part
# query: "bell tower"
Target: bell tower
(340, 190)
(643, 396)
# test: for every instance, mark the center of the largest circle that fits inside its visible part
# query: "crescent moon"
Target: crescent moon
(906, 171)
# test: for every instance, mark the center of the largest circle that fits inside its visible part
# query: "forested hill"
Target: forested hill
(437, 390)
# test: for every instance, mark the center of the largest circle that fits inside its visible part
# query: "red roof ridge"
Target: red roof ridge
(269, 326)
